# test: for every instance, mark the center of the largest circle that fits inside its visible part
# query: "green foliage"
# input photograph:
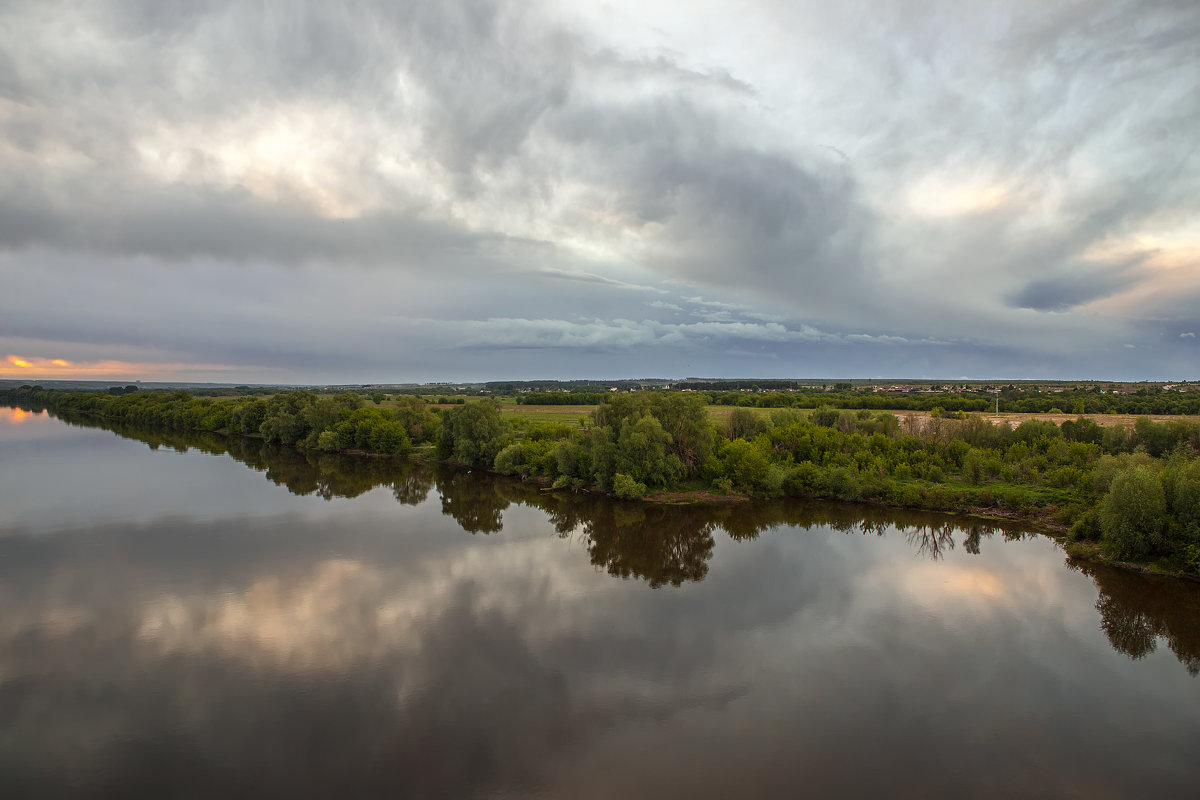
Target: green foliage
(372, 430)
(1154, 437)
(1138, 492)
(1086, 528)
(973, 467)
(825, 416)
(783, 417)
(1116, 439)
(744, 465)
(508, 461)
(627, 487)
(419, 421)
(563, 398)
(1133, 514)
(745, 424)
(1036, 432)
(1083, 430)
(881, 423)
(644, 452)
(473, 433)
(684, 418)
(1185, 499)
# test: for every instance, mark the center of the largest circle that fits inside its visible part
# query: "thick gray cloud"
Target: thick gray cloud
(369, 190)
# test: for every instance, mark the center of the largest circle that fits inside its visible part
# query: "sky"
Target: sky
(393, 191)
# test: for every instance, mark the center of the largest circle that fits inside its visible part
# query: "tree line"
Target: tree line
(331, 423)
(670, 544)
(1012, 400)
(1134, 491)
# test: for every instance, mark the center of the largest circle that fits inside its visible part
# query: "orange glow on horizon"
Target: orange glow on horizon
(35, 368)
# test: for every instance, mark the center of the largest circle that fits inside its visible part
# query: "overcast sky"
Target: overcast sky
(381, 190)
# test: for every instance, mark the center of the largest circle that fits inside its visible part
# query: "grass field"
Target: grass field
(569, 415)
(566, 415)
(1101, 419)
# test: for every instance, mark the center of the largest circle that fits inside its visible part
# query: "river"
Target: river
(194, 616)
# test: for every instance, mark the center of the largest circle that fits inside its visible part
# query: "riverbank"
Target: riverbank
(1134, 492)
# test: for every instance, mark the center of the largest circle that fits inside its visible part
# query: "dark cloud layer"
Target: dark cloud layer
(934, 173)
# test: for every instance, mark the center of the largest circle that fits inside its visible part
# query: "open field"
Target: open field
(1016, 419)
(722, 413)
(570, 415)
(566, 415)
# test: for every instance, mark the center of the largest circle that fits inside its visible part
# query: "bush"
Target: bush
(745, 424)
(626, 487)
(772, 483)
(783, 417)
(973, 467)
(1185, 496)
(825, 416)
(1086, 528)
(745, 465)
(1133, 513)
(722, 485)
(1116, 439)
(508, 461)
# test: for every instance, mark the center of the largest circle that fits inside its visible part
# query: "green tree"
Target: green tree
(420, 422)
(473, 433)
(626, 487)
(1154, 437)
(1186, 500)
(973, 467)
(825, 416)
(508, 461)
(1133, 514)
(684, 417)
(644, 452)
(745, 424)
(744, 465)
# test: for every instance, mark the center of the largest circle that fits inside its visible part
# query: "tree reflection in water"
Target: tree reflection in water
(472, 500)
(1137, 610)
(659, 544)
(671, 545)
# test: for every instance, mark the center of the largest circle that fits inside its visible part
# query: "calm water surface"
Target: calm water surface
(200, 617)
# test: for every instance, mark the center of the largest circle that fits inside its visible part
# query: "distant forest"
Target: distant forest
(1013, 399)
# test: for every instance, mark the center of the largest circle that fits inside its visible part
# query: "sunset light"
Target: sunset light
(17, 416)
(493, 398)
(37, 368)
